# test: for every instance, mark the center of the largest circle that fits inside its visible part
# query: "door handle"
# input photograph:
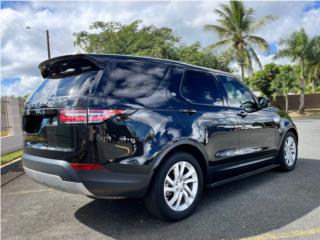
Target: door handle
(242, 114)
(188, 111)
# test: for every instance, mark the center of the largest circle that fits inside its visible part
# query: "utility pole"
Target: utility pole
(48, 44)
(47, 37)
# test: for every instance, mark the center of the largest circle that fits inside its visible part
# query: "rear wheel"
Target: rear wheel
(288, 152)
(176, 188)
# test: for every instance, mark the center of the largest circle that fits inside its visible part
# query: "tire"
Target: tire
(187, 191)
(288, 162)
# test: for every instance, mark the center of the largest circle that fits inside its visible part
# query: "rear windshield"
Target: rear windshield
(59, 87)
(130, 80)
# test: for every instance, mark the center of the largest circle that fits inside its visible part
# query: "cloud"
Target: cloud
(21, 86)
(22, 50)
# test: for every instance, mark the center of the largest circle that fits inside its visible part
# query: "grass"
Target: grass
(4, 133)
(310, 113)
(10, 156)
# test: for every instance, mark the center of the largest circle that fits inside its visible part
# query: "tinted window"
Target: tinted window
(237, 93)
(68, 86)
(199, 87)
(131, 80)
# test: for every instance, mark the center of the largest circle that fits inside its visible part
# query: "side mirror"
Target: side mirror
(250, 106)
(264, 102)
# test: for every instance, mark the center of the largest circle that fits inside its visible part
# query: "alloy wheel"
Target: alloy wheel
(290, 151)
(180, 186)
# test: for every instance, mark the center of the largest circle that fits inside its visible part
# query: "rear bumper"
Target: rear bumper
(59, 175)
(56, 182)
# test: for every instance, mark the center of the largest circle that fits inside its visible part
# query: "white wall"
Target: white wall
(13, 141)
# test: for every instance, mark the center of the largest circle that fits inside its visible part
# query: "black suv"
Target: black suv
(125, 126)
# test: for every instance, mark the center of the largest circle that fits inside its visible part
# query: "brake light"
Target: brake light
(73, 116)
(76, 116)
(99, 115)
(87, 166)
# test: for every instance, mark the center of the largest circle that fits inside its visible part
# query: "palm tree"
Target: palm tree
(235, 30)
(284, 82)
(296, 48)
(313, 61)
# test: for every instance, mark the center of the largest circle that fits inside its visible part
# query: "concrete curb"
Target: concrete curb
(10, 166)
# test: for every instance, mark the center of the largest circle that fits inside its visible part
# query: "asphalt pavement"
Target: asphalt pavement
(271, 205)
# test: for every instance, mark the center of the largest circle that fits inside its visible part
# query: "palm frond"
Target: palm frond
(227, 10)
(225, 20)
(228, 24)
(221, 43)
(238, 12)
(255, 56)
(247, 20)
(262, 22)
(283, 53)
(221, 31)
(259, 41)
(221, 13)
(248, 60)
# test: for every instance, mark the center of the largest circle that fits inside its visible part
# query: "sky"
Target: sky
(23, 49)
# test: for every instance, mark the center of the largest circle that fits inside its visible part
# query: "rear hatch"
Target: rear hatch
(55, 115)
(85, 113)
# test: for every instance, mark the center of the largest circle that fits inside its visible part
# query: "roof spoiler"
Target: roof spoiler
(69, 65)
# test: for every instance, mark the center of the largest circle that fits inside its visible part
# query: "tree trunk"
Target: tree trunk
(313, 86)
(301, 107)
(242, 72)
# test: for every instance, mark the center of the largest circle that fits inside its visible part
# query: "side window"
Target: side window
(128, 80)
(238, 95)
(199, 87)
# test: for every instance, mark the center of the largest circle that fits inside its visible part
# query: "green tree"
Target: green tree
(284, 82)
(262, 80)
(313, 62)
(132, 39)
(194, 54)
(236, 31)
(116, 38)
(296, 48)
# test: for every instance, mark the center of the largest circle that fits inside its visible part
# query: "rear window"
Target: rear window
(75, 85)
(130, 80)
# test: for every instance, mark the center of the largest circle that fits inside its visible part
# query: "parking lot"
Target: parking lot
(271, 205)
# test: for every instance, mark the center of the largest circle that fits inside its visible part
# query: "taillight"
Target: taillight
(99, 115)
(87, 166)
(73, 116)
(76, 116)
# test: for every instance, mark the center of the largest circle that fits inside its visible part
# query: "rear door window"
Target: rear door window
(200, 88)
(74, 85)
(130, 80)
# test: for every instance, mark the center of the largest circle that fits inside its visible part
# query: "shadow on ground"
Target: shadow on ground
(14, 174)
(248, 207)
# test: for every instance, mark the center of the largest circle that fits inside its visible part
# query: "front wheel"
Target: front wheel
(176, 188)
(288, 153)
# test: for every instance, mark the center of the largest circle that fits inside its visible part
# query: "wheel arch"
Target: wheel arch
(292, 130)
(295, 132)
(187, 146)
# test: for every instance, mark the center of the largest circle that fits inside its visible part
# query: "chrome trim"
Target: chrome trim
(248, 163)
(238, 152)
(56, 182)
